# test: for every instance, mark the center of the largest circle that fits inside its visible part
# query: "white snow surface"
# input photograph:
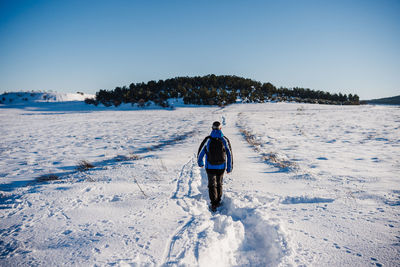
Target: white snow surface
(316, 186)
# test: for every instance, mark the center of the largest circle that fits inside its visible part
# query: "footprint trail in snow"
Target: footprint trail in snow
(237, 234)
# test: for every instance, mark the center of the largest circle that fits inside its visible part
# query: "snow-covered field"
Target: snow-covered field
(315, 185)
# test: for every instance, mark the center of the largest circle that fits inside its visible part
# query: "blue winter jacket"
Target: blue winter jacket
(228, 165)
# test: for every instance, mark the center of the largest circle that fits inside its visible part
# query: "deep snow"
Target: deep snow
(318, 186)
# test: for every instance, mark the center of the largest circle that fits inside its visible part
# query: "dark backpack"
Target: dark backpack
(216, 154)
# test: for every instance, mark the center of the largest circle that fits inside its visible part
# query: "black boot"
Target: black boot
(214, 207)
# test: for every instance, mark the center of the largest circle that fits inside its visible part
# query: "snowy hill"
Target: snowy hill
(312, 185)
(28, 98)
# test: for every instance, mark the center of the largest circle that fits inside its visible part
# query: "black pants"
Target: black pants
(215, 185)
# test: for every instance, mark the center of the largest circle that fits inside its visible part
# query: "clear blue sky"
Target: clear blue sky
(69, 46)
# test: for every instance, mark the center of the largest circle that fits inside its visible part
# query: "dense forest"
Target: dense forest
(214, 90)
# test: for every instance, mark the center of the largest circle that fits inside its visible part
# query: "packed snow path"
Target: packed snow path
(238, 234)
(145, 202)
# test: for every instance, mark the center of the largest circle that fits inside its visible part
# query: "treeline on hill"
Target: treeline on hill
(214, 90)
(394, 100)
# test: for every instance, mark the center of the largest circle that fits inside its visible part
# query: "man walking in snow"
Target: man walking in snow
(217, 149)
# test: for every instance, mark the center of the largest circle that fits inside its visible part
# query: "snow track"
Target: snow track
(238, 234)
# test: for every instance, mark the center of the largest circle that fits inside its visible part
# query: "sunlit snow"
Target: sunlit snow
(313, 185)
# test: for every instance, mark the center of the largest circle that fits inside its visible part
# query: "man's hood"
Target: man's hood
(216, 134)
